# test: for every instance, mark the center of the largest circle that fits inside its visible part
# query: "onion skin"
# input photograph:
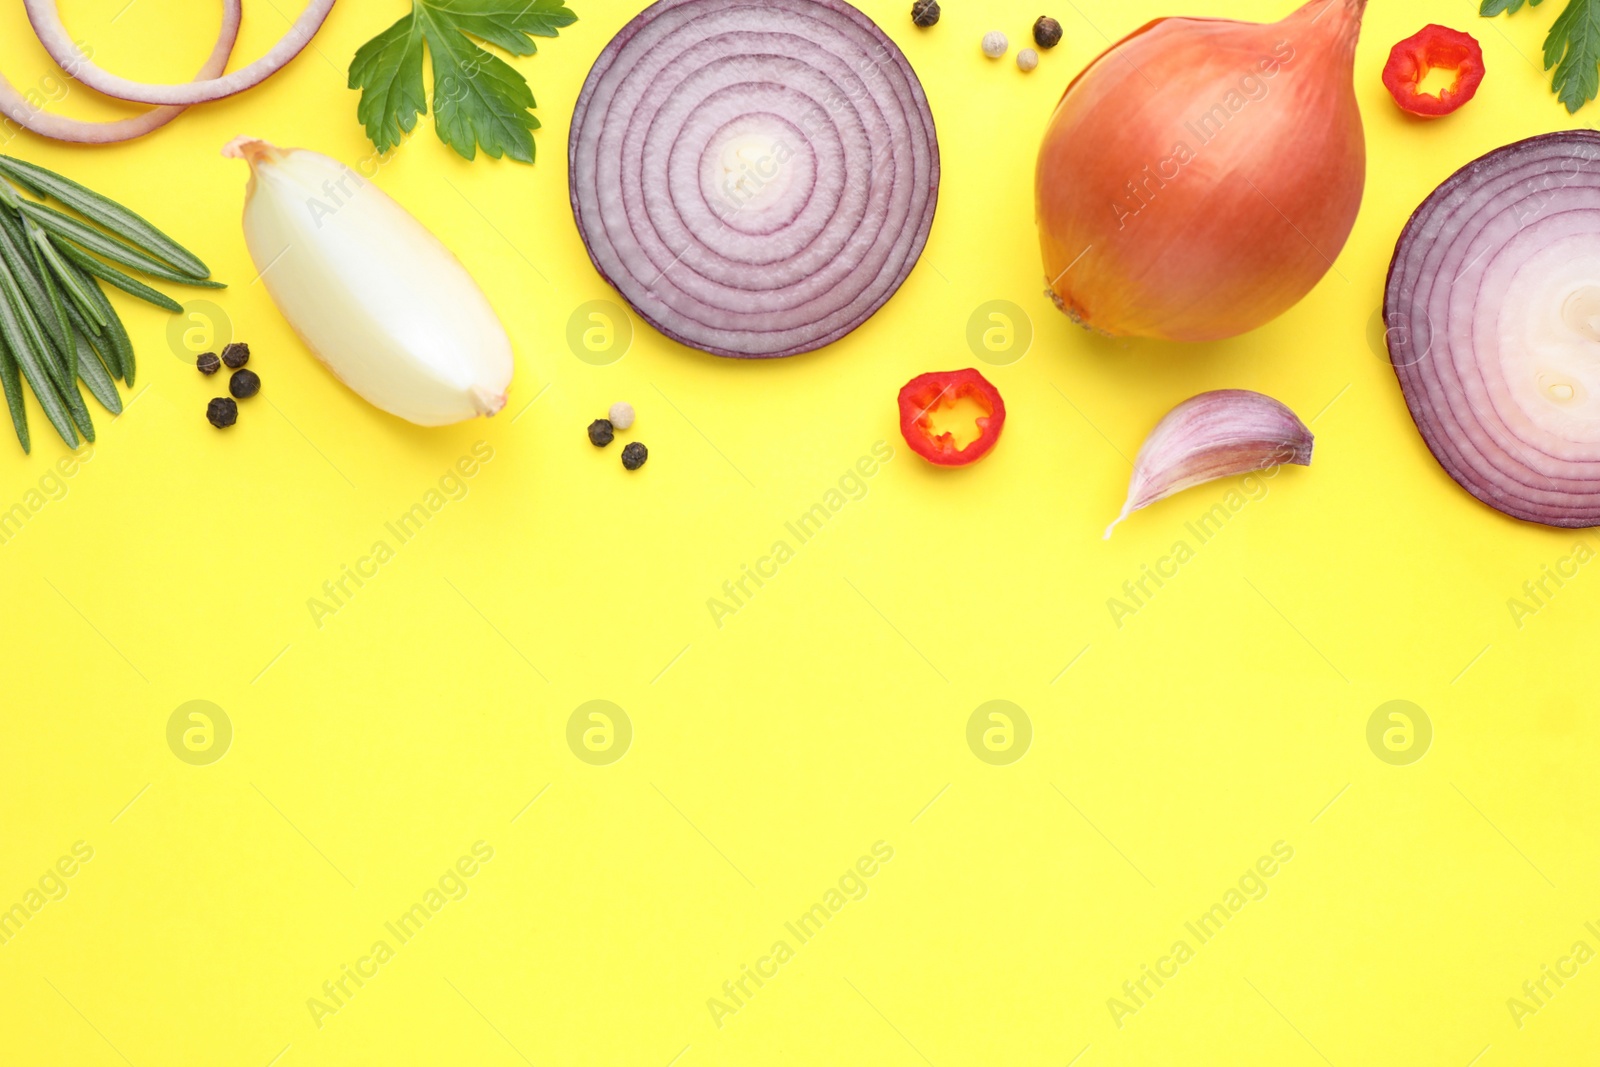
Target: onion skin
(77, 131)
(376, 297)
(1141, 239)
(1483, 331)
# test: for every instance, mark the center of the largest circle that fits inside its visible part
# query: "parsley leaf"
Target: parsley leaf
(1572, 47)
(479, 100)
(1494, 7)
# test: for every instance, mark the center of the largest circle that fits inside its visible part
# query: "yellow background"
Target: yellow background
(769, 754)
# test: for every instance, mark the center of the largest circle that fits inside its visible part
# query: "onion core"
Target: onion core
(756, 180)
(1493, 315)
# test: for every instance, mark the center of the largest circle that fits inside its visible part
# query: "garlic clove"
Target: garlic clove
(1211, 436)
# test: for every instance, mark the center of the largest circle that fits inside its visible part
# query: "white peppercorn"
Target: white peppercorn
(995, 44)
(1027, 59)
(621, 415)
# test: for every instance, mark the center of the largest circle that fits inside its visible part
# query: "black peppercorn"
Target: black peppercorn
(601, 433)
(244, 384)
(925, 12)
(1046, 32)
(222, 412)
(208, 364)
(236, 356)
(634, 455)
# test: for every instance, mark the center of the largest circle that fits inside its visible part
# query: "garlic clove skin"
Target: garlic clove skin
(1211, 436)
(378, 299)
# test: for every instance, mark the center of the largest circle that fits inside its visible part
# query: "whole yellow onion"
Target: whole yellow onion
(1200, 177)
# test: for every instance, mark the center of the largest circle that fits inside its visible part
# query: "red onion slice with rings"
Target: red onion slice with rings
(1493, 315)
(756, 179)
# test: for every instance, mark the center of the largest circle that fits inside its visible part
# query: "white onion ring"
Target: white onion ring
(17, 108)
(756, 179)
(1493, 314)
(46, 19)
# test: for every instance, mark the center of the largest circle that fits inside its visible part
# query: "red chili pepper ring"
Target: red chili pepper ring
(927, 393)
(1433, 48)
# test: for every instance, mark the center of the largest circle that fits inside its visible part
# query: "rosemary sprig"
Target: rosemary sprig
(60, 224)
(57, 328)
(103, 212)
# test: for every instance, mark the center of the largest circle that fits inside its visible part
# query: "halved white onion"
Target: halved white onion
(372, 292)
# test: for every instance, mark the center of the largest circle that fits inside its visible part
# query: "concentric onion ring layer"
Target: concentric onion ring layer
(756, 179)
(1493, 315)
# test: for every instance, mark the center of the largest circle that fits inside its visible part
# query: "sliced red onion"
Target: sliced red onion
(46, 19)
(755, 179)
(1493, 314)
(23, 112)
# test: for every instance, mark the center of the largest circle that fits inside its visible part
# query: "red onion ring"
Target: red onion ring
(19, 110)
(1493, 310)
(46, 19)
(755, 180)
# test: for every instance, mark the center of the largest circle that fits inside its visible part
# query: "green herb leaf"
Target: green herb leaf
(12, 382)
(130, 226)
(130, 285)
(64, 330)
(388, 71)
(32, 306)
(57, 329)
(1572, 47)
(94, 375)
(79, 410)
(13, 317)
(13, 251)
(68, 279)
(116, 333)
(81, 233)
(100, 344)
(479, 100)
(1490, 8)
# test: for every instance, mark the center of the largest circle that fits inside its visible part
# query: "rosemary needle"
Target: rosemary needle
(132, 228)
(57, 328)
